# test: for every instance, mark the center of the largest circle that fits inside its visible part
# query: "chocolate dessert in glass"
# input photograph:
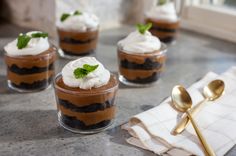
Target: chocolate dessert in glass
(78, 34)
(141, 57)
(30, 62)
(85, 94)
(164, 19)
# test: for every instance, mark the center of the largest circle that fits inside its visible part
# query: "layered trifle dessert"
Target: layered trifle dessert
(78, 34)
(141, 57)
(164, 19)
(85, 94)
(30, 62)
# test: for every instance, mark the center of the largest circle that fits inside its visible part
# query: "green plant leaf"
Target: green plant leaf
(22, 41)
(77, 12)
(39, 34)
(64, 16)
(161, 2)
(89, 67)
(143, 28)
(82, 72)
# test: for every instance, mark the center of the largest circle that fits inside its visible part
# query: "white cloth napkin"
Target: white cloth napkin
(151, 130)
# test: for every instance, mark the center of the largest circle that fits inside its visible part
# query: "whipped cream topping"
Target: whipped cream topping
(163, 12)
(80, 23)
(34, 47)
(140, 43)
(96, 78)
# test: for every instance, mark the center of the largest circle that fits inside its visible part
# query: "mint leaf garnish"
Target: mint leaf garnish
(162, 2)
(64, 16)
(143, 28)
(82, 72)
(39, 34)
(22, 41)
(90, 68)
(77, 12)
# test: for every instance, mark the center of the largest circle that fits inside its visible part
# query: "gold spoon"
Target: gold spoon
(182, 102)
(211, 92)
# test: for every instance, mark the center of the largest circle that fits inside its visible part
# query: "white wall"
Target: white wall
(110, 12)
(37, 14)
(42, 14)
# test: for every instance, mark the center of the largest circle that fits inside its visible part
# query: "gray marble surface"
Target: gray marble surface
(28, 122)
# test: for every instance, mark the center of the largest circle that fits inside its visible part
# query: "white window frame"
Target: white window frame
(215, 21)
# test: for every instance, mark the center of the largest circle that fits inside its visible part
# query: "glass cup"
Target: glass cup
(74, 44)
(166, 30)
(30, 73)
(141, 70)
(85, 111)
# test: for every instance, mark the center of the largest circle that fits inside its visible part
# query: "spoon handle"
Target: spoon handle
(184, 121)
(208, 150)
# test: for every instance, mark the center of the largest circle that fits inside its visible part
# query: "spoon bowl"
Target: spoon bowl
(181, 99)
(182, 102)
(214, 90)
(211, 92)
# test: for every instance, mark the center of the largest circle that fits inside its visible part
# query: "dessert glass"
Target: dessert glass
(30, 73)
(74, 44)
(85, 111)
(141, 69)
(166, 31)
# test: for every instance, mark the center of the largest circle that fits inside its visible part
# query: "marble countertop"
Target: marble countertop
(28, 122)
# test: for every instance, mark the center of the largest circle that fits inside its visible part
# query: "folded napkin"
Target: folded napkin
(151, 130)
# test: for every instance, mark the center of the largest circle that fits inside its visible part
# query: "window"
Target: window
(212, 17)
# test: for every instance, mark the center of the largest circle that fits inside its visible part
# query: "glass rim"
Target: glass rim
(155, 19)
(59, 75)
(40, 54)
(78, 31)
(161, 51)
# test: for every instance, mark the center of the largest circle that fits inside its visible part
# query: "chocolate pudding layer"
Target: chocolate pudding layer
(166, 31)
(141, 68)
(89, 109)
(78, 43)
(31, 72)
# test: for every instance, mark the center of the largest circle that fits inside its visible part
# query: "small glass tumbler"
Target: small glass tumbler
(164, 28)
(141, 70)
(85, 111)
(75, 44)
(30, 73)
(166, 31)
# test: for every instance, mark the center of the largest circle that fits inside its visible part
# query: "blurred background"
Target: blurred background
(216, 18)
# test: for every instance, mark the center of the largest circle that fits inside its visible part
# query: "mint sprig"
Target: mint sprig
(39, 34)
(143, 28)
(77, 12)
(161, 2)
(82, 72)
(23, 39)
(64, 16)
